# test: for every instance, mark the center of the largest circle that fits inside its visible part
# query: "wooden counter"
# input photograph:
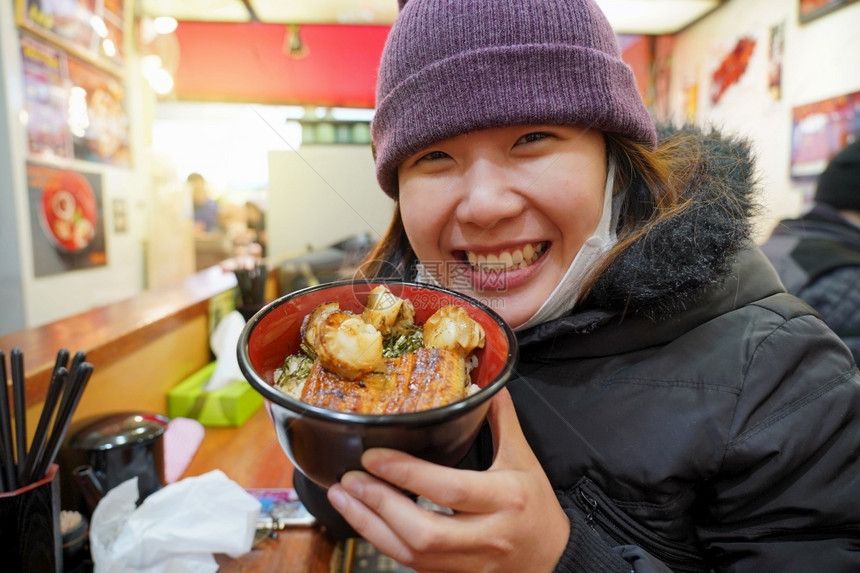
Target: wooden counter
(251, 456)
(140, 348)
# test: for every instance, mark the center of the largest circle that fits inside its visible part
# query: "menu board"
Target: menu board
(74, 110)
(66, 219)
(91, 29)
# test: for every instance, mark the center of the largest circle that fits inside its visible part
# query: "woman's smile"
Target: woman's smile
(500, 270)
(505, 259)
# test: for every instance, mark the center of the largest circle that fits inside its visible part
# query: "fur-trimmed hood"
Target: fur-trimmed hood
(665, 271)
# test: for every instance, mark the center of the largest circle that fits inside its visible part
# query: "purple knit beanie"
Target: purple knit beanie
(454, 66)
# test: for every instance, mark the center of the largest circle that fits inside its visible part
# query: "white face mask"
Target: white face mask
(567, 292)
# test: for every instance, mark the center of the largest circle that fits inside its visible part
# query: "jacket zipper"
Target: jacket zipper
(602, 515)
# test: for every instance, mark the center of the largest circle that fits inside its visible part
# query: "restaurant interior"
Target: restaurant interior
(112, 105)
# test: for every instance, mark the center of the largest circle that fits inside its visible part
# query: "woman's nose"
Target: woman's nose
(490, 194)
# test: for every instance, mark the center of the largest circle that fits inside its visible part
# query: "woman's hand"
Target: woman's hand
(506, 518)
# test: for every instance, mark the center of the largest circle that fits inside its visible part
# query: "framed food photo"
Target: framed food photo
(90, 29)
(813, 9)
(66, 219)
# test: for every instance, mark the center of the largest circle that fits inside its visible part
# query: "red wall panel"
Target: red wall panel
(249, 62)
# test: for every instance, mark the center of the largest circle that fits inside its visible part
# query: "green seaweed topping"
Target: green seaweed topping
(399, 344)
(296, 366)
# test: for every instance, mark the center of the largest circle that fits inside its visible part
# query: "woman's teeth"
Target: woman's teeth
(507, 260)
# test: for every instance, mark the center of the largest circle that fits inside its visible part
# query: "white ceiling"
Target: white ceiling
(626, 16)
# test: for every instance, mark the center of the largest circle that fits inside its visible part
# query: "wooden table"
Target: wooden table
(251, 456)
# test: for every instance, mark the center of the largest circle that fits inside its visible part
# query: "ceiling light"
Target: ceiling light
(150, 62)
(109, 47)
(161, 81)
(654, 16)
(626, 16)
(99, 27)
(78, 118)
(165, 25)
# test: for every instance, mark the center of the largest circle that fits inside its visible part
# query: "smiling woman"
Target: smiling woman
(653, 391)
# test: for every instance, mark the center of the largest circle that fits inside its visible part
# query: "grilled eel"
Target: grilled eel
(420, 380)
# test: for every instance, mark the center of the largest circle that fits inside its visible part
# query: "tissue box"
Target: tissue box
(228, 406)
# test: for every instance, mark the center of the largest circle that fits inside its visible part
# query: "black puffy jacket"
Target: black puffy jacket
(725, 439)
(692, 416)
(818, 259)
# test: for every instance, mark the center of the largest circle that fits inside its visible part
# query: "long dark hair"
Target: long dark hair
(392, 257)
(654, 182)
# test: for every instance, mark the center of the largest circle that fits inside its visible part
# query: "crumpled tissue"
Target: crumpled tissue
(177, 529)
(223, 342)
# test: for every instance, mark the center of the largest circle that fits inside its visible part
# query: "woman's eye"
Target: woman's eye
(532, 137)
(433, 155)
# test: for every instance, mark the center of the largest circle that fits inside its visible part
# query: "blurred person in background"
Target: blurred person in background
(256, 223)
(817, 255)
(206, 217)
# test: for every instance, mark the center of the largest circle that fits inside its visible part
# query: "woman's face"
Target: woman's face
(500, 214)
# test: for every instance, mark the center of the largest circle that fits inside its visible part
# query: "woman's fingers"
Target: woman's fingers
(507, 515)
(368, 524)
(376, 511)
(423, 538)
(463, 490)
(508, 439)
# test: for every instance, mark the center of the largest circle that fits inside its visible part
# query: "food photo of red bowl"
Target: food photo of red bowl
(325, 443)
(69, 211)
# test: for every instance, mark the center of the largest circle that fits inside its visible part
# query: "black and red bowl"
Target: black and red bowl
(324, 444)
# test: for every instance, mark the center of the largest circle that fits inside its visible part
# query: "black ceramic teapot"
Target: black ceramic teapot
(105, 451)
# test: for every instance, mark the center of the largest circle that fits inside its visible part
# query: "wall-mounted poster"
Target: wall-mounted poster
(691, 94)
(97, 115)
(66, 219)
(822, 129)
(774, 61)
(663, 49)
(90, 29)
(812, 9)
(46, 98)
(732, 67)
(73, 109)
